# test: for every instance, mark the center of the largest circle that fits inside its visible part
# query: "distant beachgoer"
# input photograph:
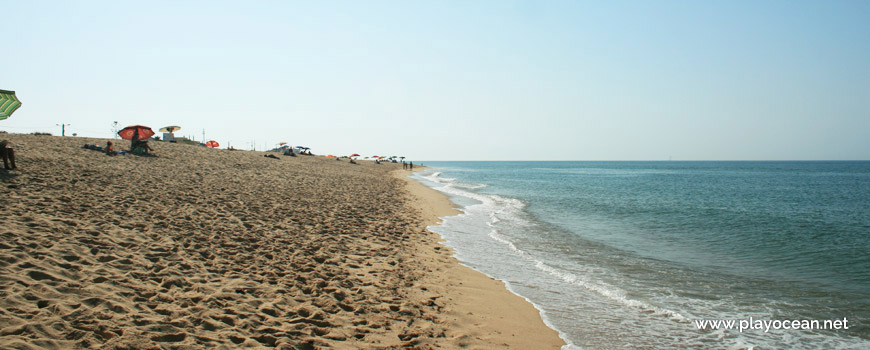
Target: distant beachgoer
(138, 146)
(110, 150)
(8, 155)
(411, 165)
(289, 152)
(271, 156)
(142, 146)
(351, 161)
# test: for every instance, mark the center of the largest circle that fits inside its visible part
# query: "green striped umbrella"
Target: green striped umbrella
(8, 103)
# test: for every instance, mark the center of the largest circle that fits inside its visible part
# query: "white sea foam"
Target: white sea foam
(497, 208)
(605, 290)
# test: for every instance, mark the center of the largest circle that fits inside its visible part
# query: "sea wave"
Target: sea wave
(491, 233)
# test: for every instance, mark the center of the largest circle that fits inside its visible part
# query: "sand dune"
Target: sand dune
(208, 248)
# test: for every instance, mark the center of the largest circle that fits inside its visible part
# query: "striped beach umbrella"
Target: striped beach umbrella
(8, 103)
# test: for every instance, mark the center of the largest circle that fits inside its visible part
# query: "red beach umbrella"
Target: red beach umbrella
(212, 144)
(355, 155)
(141, 132)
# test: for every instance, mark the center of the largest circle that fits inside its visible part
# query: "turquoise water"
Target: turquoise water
(631, 254)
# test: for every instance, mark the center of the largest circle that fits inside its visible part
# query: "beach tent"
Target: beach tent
(8, 103)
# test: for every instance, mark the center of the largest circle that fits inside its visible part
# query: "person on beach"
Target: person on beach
(8, 155)
(138, 146)
(411, 165)
(110, 150)
(270, 156)
(142, 146)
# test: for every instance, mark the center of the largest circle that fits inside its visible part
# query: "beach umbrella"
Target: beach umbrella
(170, 129)
(8, 103)
(330, 156)
(212, 144)
(355, 155)
(141, 132)
(282, 143)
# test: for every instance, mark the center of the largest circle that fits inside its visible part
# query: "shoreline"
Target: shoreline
(482, 311)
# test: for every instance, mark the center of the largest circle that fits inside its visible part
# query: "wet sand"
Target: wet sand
(208, 248)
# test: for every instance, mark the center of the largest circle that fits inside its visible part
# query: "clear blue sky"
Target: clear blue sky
(455, 80)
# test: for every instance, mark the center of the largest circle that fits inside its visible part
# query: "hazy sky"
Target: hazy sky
(455, 80)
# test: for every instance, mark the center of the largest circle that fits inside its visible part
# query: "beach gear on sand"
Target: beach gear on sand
(8, 155)
(138, 135)
(8, 103)
(212, 144)
(139, 151)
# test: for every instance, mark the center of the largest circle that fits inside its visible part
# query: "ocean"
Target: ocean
(634, 255)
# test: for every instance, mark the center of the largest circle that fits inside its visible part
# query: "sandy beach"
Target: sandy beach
(209, 248)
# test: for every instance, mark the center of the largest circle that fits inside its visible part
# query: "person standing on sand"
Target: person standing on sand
(411, 164)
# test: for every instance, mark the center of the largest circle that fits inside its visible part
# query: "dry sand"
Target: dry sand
(199, 248)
